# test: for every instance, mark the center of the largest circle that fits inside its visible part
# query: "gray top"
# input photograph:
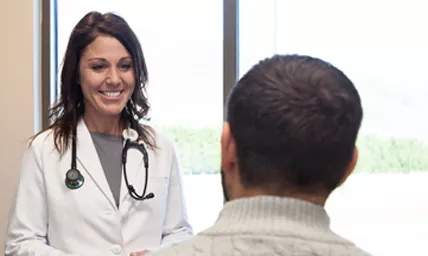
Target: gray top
(109, 149)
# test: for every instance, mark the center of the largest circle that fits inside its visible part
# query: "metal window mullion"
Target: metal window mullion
(230, 46)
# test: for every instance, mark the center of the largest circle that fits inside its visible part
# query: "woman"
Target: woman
(72, 197)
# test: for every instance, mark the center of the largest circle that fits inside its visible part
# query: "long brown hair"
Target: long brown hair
(70, 106)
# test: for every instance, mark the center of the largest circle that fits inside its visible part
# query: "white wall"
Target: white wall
(17, 80)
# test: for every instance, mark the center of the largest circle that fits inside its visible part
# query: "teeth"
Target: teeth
(111, 94)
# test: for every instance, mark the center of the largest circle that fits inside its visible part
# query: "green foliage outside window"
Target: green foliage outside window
(398, 155)
(199, 152)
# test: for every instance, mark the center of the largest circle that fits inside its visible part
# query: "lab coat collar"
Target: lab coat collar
(87, 156)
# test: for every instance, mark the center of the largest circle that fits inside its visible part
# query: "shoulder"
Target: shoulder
(37, 149)
(42, 141)
(359, 252)
(200, 244)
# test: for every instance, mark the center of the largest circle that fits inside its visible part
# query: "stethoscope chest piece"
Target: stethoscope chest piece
(74, 179)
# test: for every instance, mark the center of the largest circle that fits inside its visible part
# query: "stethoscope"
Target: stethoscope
(74, 178)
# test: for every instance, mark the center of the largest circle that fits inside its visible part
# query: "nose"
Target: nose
(114, 77)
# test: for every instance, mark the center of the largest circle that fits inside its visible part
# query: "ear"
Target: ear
(351, 166)
(228, 150)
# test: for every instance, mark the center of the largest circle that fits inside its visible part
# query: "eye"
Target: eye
(125, 66)
(97, 67)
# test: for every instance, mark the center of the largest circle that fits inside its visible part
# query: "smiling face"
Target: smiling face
(106, 77)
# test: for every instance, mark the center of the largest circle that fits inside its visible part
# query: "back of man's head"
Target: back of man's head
(294, 122)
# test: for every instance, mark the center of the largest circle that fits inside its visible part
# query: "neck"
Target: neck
(103, 124)
(253, 192)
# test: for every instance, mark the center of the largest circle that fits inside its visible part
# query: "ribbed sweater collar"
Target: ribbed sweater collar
(272, 215)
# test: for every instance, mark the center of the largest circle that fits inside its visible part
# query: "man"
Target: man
(288, 142)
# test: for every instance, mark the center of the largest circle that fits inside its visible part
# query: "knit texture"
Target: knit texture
(268, 225)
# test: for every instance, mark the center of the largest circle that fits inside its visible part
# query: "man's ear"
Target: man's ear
(351, 166)
(228, 150)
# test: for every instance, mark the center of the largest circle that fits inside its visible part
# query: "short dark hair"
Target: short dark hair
(70, 105)
(295, 120)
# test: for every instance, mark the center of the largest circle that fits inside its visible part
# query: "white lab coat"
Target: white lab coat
(47, 218)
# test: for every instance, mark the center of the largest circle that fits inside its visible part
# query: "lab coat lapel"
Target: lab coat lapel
(135, 172)
(88, 158)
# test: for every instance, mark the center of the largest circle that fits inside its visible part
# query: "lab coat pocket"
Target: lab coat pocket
(153, 209)
(159, 187)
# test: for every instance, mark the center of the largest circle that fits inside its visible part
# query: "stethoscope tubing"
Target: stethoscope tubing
(131, 141)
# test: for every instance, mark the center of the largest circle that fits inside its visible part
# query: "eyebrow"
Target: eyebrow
(103, 59)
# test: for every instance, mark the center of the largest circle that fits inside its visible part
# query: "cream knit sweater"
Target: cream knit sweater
(268, 225)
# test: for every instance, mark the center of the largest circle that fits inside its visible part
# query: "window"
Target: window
(378, 44)
(381, 47)
(183, 45)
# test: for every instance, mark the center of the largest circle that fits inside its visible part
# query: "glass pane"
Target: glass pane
(381, 47)
(183, 45)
